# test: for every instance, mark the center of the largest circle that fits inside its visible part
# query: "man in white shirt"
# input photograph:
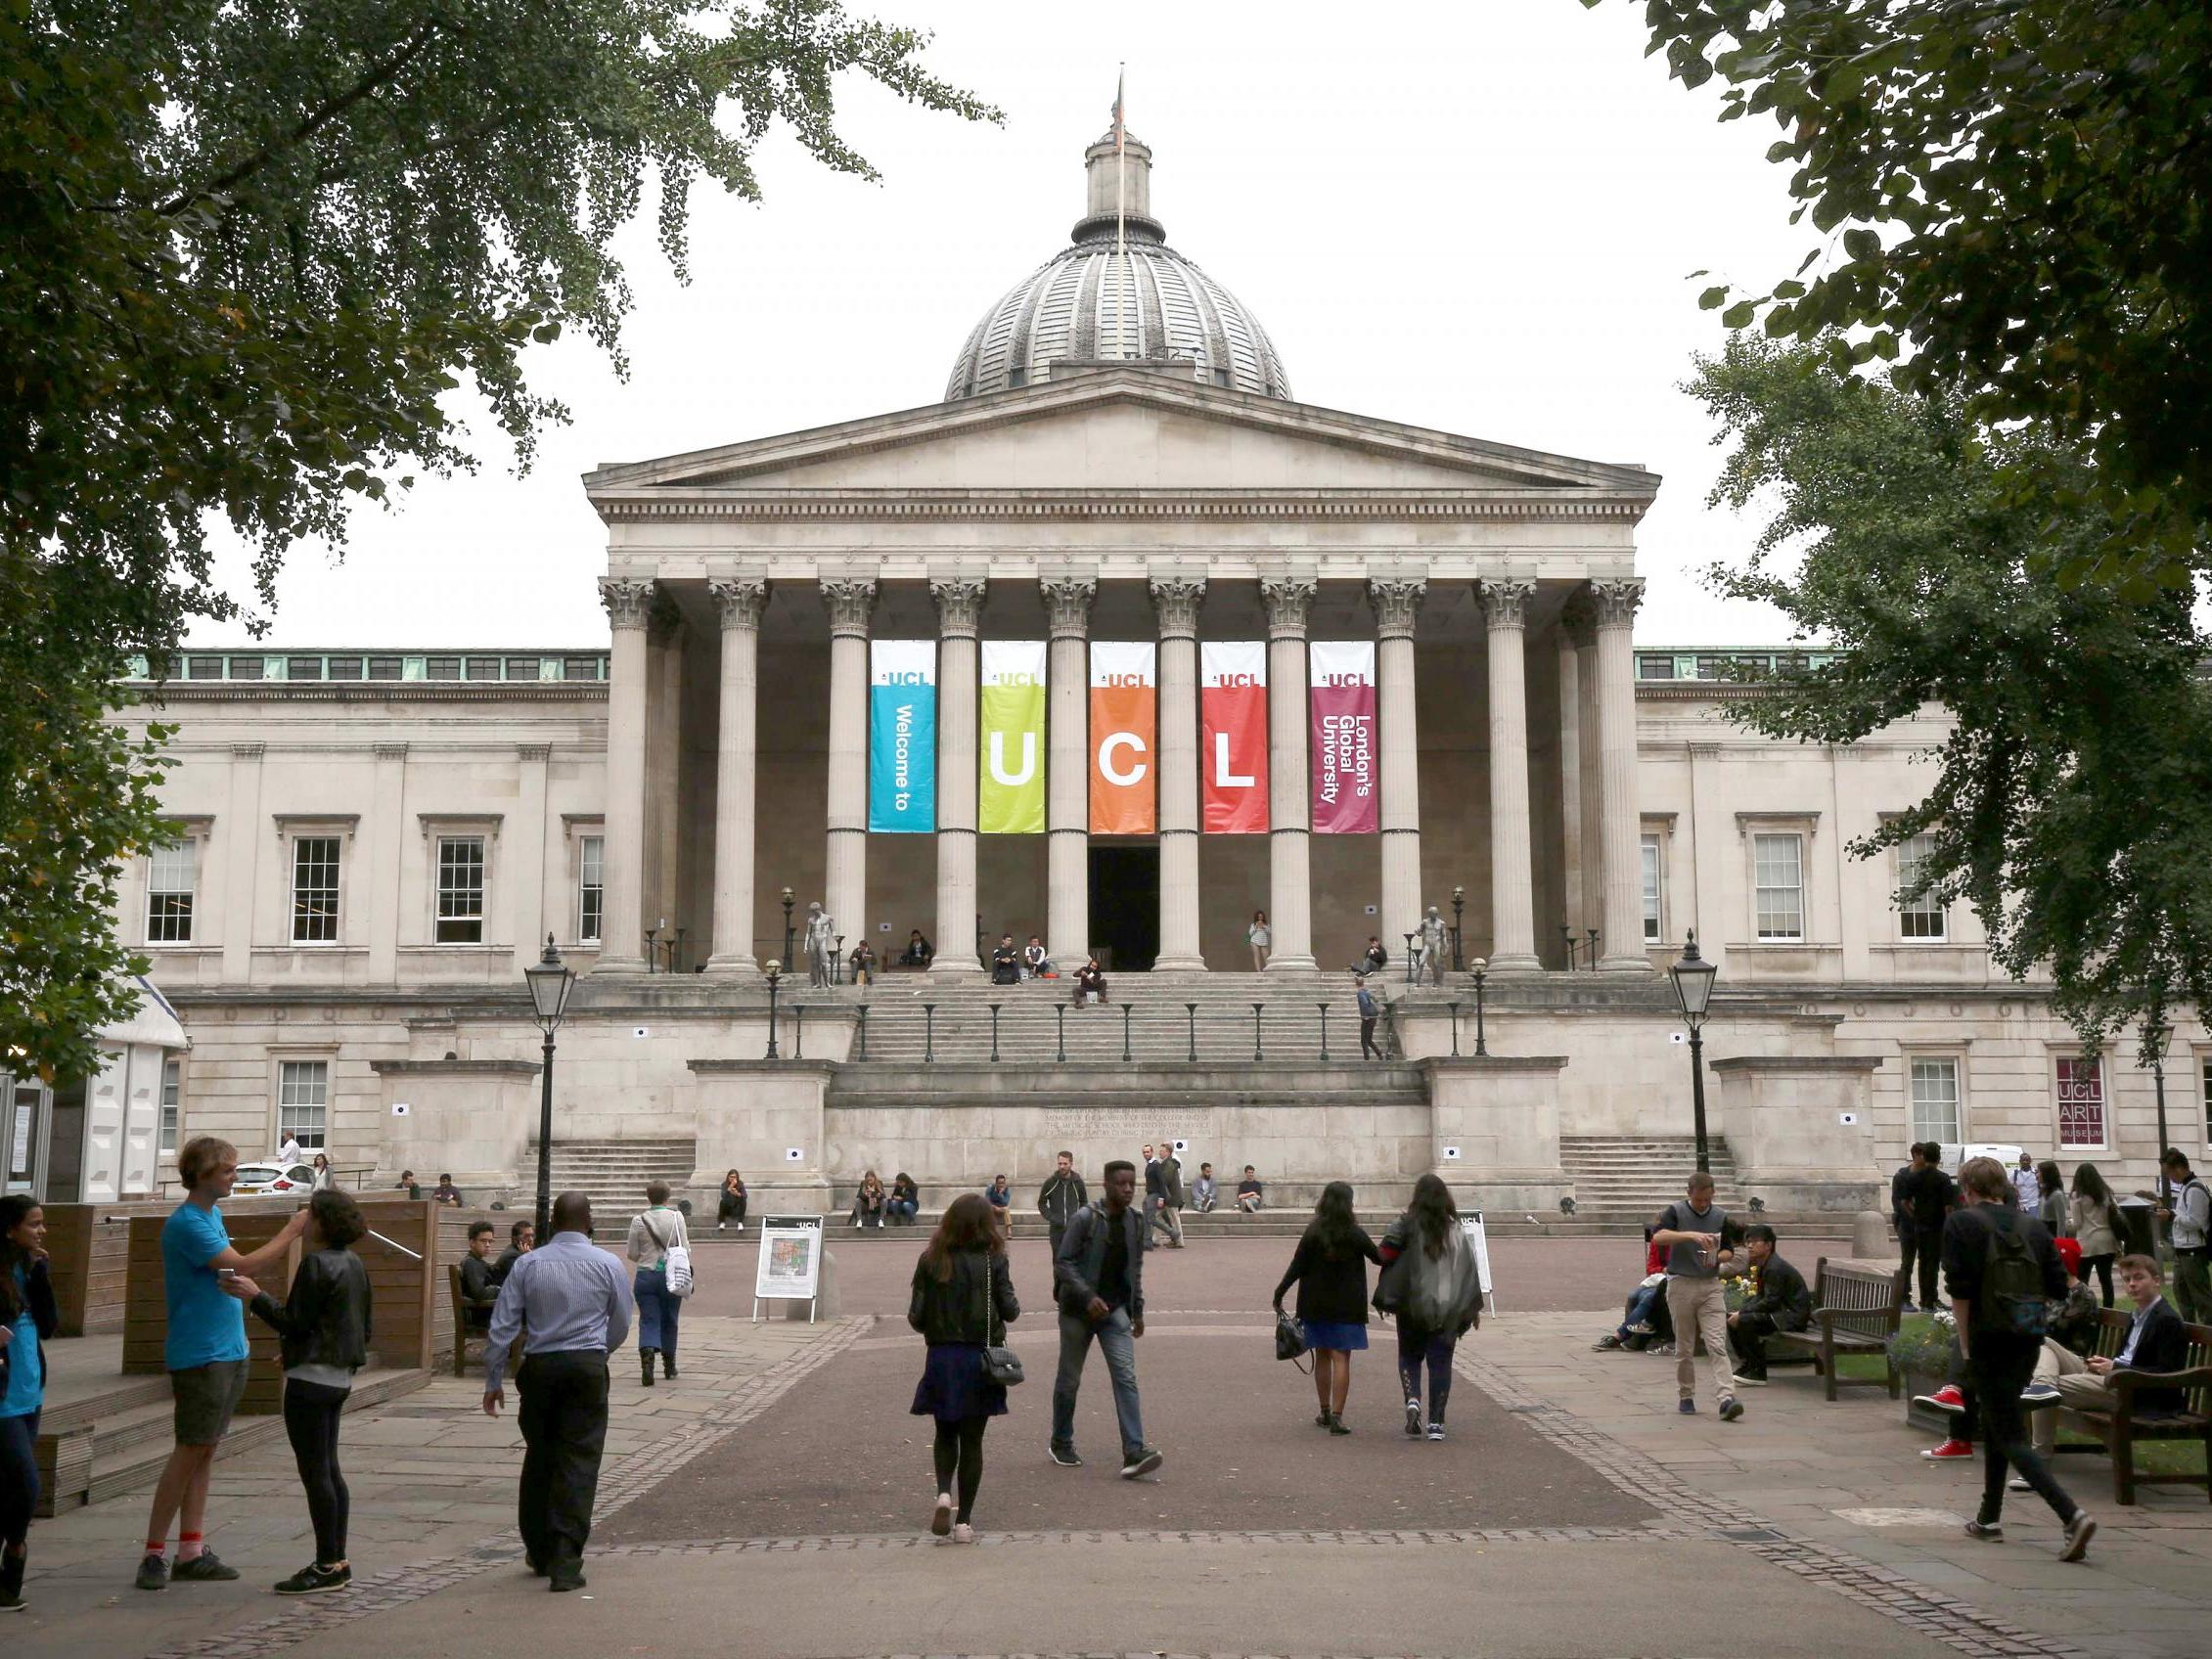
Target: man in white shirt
(2025, 1184)
(289, 1153)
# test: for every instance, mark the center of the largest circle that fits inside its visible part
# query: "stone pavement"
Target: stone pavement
(432, 1483)
(766, 1506)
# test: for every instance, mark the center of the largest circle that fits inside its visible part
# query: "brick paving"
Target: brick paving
(1830, 1499)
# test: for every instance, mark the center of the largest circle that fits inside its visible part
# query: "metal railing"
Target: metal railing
(1002, 1030)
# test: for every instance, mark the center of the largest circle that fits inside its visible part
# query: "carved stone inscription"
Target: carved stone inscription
(1129, 1128)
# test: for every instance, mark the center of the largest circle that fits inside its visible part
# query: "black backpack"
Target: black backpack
(2011, 1301)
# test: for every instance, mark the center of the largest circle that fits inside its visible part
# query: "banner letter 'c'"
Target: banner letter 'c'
(1114, 774)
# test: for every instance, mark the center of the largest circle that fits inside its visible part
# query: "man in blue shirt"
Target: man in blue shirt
(205, 1282)
(575, 1301)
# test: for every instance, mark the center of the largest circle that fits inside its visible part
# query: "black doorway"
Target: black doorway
(1125, 907)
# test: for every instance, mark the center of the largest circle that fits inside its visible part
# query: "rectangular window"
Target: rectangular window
(522, 668)
(172, 1100)
(1778, 875)
(345, 669)
(2081, 1102)
(169, 875)
(314, 890)
(1923, 918)
(386, 667)
(303, 1096)
(1651, 888)
(590, 887)
(1935, 1100)
(2207, 1074)
(460, 890)
(442, 668)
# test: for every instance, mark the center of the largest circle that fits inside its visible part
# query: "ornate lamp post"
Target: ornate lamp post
(1458, 904)
(1481, 971)
(550, 981)
(774, 969)
(787, 897)
(1693, 978)
(2157, 1032)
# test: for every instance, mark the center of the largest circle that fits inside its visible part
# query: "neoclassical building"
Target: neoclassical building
(1120, 646)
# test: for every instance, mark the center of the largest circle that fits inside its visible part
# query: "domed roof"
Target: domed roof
(1118, 293)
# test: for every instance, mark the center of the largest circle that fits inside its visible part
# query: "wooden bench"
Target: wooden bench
(1855, 1310)
(2116, 1431)
(464, 1331)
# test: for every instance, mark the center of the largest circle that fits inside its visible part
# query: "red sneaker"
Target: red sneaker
(1951, 1449)
(1945, 1399)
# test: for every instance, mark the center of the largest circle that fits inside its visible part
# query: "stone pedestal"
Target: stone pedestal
(1501, 1116)
(1801, 1130)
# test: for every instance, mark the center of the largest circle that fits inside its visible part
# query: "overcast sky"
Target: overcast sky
(1479, 216)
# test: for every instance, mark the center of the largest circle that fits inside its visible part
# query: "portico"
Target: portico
(1465, 567)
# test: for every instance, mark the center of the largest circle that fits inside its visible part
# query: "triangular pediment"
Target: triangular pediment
(1117, 429)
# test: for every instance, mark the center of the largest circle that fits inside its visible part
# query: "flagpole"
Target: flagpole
(1120, 204)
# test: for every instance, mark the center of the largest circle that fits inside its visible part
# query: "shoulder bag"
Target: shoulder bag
(675, 1263)
(1001, 1363)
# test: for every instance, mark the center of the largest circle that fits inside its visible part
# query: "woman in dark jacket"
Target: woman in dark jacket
(962, 1302)
(729, 1206)
(324, 1323)
(28, 1317)
(1437, 1299)
(1330, 1270)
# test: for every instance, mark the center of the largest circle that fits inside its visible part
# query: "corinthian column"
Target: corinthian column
(1176, 602)
(621, 947)
(736, 763)
(960, 624)
(1067, 773)
(849, 604)
(1615, 604)
(1397, 602)
(1289, 868)
(1512, 906)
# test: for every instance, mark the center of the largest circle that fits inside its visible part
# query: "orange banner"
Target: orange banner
(1124, 712)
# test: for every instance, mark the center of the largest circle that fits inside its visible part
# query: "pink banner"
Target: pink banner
(1344, 776)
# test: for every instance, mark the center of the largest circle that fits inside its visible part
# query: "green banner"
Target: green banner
(1010, 782)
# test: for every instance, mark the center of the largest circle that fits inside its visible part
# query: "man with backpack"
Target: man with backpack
(2002, 1271)
(2191, 1220)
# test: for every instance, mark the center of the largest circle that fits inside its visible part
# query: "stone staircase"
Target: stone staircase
(615, 1173)
(1170, 1018)
(1623, 1183)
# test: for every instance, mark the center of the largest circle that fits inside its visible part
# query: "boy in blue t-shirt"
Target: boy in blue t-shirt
(205, 1352)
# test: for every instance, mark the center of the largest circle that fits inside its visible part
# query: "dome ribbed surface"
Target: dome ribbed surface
(1094, 303)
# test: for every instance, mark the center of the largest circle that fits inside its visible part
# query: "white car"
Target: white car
(259, 1178)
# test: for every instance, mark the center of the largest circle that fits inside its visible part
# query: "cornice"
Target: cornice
(677, 505)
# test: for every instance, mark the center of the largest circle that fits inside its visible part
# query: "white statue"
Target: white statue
(821, 945)
(1431, 948)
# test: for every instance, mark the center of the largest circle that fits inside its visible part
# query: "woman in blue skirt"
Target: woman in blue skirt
(962, 1302)
(1330, 1270)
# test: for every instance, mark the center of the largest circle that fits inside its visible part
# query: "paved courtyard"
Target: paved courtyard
(770, 1502)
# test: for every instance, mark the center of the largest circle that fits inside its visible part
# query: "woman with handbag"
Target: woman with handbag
(962, 1302)
(1329, 1269)
(652, 1236)
(1431, 1284)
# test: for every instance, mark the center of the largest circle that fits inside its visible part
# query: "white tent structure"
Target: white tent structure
(95, 1139)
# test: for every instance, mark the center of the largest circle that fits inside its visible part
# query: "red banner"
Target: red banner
(1343, 774)
(1232, 735)
(1125, 709)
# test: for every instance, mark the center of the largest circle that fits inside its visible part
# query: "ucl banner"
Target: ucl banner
(1344, 779)
(902, 736)
(1125, 709)
(1011, 775)
(1232, 737)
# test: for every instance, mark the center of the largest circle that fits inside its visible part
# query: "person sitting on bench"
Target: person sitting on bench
(2156, 1341)
(1779, 1302)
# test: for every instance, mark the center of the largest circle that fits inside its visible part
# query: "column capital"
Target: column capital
(1175, 602)
(627, 603)
(959, 605)
(1505, 605)
(1396, 603)
(1289, 600)
(741, 599)
(1615, 603)
(1067, 605)
(850, 604)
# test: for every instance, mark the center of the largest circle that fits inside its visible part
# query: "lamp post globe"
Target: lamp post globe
(550, 980)
(1693, 978)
